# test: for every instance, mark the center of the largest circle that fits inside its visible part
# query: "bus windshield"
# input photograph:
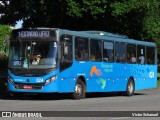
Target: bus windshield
(33, 54)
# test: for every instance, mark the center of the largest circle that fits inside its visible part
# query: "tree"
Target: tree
(126, 17)
(34, 13)
(148, 21)
(134, 18)
(5, 31)
(93, 7)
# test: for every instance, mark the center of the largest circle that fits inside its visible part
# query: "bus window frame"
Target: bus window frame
(134, 54)
(88, 50)
(153, 56)
(101, 49)
(145, 54)
(113, 52)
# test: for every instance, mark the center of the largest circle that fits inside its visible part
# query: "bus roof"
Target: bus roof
(98, 35)
(107, 36)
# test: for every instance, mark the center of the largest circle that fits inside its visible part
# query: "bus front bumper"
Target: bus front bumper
(33, 88)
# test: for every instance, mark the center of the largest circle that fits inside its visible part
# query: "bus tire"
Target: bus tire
(130, 87)
(80, 90)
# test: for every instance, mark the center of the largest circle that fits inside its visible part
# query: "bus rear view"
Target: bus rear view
(33, 61)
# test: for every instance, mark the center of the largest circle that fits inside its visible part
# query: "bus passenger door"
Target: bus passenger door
(66, 60)
(66, 55)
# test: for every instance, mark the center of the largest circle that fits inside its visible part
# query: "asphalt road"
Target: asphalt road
(146, 100)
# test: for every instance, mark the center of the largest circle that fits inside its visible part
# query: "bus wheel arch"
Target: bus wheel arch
(130, 88)
(80, 88)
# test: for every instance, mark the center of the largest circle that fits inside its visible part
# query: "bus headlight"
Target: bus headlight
(11, 80)
(51, 79)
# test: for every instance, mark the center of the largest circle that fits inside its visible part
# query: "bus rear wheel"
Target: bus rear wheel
(130, 88)
(80, 90)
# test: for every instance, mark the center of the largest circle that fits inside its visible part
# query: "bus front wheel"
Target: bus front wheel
(80, 90)
(130, 87)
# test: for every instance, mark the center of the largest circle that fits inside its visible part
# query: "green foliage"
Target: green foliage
(152, 21)
(93, 7)
(121, 8)
(5, 31)
(148, 20)
(73, 8)
(34, 13)
(138, 19)
(150, 9)
(152, 26)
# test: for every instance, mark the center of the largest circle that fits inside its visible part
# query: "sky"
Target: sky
(19, 24)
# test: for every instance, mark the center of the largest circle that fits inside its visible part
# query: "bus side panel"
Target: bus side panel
(107, 77)
(145, 76)
(99, 76)
(67, 84)
(115, 75)
(67, 80)
(78, 69)
(102, 76)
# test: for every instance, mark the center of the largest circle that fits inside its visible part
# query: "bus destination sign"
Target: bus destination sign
(34, 33)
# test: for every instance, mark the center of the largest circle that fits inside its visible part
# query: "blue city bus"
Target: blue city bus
(52, 60)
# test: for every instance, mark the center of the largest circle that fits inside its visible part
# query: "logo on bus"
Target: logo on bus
(39, 80)
(151, 74)
(96, 71)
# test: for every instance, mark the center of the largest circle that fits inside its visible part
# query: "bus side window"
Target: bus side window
(108, 52)
(131, 53)
(141, 54)
(95, 50)
(120, 52)
(150, 55)
(81, 49)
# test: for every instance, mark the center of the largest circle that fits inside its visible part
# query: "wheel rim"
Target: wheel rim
(130, 87)
(78, 89)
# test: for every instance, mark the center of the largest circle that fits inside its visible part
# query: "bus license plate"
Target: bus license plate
(27, 86)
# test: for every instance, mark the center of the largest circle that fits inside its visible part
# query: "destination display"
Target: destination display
(33, 34)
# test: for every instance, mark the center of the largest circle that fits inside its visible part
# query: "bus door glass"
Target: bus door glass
(66, 51)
